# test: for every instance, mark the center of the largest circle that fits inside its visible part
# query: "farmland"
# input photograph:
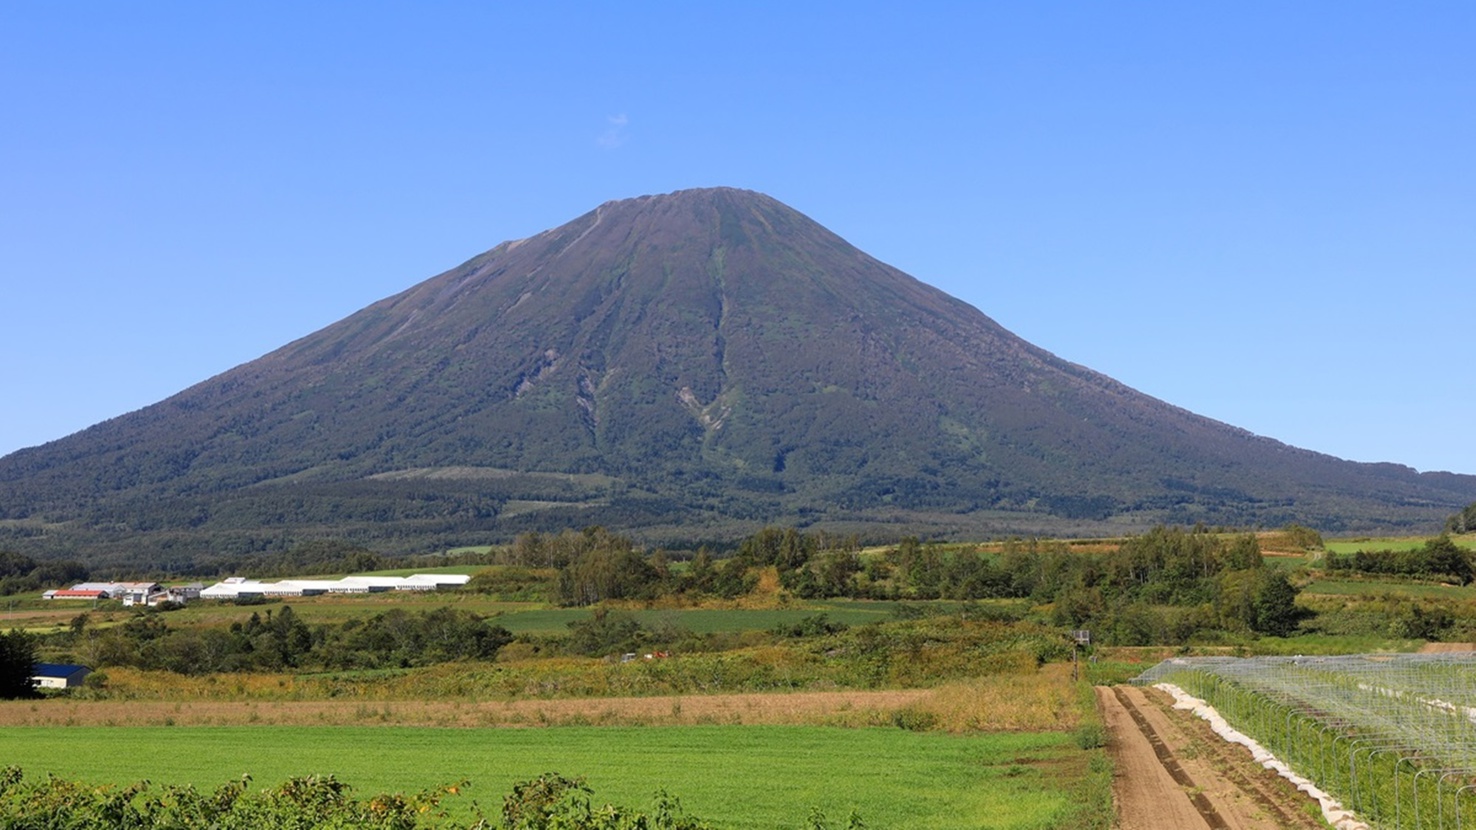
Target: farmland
(1390, 736)
(518, 617)
(1044, 700)
(958, 652)
(1383, 587)
(743, 777)
(1467, 541)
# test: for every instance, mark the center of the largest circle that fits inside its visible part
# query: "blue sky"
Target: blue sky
(1261, 212)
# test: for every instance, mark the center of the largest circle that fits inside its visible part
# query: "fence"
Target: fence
(1393, 736)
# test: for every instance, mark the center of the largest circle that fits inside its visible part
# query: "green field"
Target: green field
(699, 621)
(468, 570)
(736, 777)
(1468, 541)
(544, 620)
(1390, 587)
(1288, 563)
(334, 608)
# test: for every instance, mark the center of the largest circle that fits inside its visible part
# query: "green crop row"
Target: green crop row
(1364, 758)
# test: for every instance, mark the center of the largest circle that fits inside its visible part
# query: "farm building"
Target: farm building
(440, 581)
(58, 675)
(136, 593)
(112, 588)
(303, 587)
(180, 594)
(75, 593)
(185, 593)
(373, 584)
(89, 590)
(131, 593)
(235, 587)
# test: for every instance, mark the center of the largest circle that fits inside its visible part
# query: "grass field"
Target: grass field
(467, 570)
(706, 620)
(1287, 562)
(1467, 541)
(1381, 587)
(737, 777)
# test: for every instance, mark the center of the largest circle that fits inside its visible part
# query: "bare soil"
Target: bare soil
(1174, 773)
(1446, 648)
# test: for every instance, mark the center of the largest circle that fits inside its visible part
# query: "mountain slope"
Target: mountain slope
(693, 361)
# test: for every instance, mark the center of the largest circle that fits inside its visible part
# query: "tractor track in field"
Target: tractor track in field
(1173, 773)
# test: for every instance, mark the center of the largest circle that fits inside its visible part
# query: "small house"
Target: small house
(58, 675)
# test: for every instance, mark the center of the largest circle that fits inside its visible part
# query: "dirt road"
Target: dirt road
(1173, 773)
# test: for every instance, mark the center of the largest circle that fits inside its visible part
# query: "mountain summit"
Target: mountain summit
(684, 365)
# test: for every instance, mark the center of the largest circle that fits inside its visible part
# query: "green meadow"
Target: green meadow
(1378, 588)
(542, 620)
(1397, 543)
(740, 778)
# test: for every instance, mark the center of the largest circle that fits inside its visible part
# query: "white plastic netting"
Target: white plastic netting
(1392, 736)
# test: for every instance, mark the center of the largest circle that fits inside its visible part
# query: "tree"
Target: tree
(1275, 605)
(1302, 537)
(784, 548)
(17, 665)
(1444, 557)
(1464, 521)
(836, 570)
(607, 572)
(1243, 553)
(702, 574)
(607, 632)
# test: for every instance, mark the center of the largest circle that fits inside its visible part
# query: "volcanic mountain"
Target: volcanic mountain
(687, 365)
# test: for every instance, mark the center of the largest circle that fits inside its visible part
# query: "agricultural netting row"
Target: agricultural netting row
(1391, 736)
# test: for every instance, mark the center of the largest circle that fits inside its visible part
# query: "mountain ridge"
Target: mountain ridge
(720, 360)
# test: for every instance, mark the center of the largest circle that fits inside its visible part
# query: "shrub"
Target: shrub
(545, 803)
(815, 625)
(553, 802)
(914, 720)
(1091, 736)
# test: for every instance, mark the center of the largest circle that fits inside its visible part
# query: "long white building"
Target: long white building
(236, 587)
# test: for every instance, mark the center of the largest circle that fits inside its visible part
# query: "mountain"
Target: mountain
(683, 366)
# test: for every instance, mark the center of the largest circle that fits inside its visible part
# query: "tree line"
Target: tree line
(281, 641)
(1161, 586)
(1439, 558)
(20, 574)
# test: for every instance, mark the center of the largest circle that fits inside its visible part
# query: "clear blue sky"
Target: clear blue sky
(1264, 212)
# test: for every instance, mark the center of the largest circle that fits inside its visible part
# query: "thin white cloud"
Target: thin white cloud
(614, 135)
